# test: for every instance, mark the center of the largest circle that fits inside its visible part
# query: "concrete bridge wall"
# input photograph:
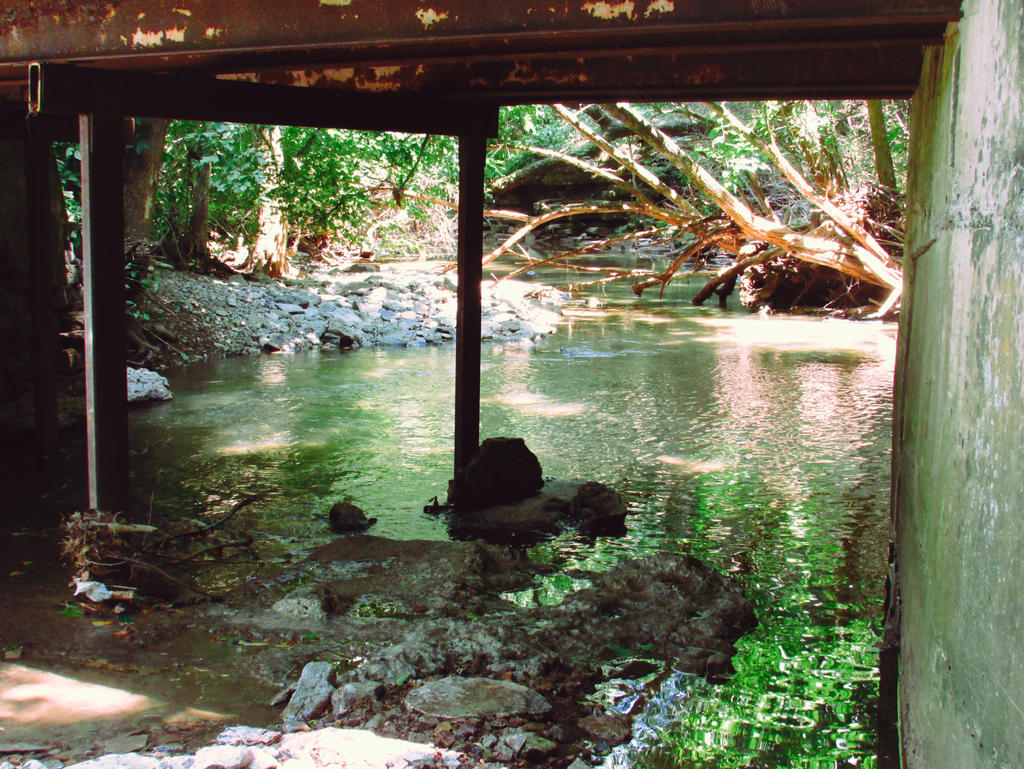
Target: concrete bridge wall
(960, 412)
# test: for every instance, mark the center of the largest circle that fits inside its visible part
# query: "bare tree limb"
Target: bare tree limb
(876, 256)
(643, 173)
(822, 249)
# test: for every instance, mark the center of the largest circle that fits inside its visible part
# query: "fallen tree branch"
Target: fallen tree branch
(733, 271)
(596, 245)
(653, 212)
(876, 256)
(816, 248)
(203, 530)
(641, 171)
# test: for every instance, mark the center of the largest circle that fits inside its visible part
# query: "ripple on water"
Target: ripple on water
(759, 446)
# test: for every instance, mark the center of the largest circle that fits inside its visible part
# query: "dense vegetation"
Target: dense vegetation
(800, 201)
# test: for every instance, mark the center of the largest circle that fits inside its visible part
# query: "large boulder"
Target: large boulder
(503, 471)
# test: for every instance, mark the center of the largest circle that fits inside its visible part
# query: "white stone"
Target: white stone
(146, 385)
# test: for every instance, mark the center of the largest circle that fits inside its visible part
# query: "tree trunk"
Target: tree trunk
(197, 247)
(270, 253)
(141, 173)
(880, 143)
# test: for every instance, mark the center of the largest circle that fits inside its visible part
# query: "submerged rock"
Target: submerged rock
(458, 697)
(346, 518)
(597, 508)
(609, 728)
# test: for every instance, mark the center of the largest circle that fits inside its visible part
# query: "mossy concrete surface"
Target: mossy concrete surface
(959, 437)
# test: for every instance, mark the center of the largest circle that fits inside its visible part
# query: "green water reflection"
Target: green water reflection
(759, 445)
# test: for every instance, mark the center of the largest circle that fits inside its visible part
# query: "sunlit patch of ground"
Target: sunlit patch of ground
(36, 697)
(65, 717)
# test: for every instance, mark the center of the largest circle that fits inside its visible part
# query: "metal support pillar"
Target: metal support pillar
(39, 204)
(102, 140)
(472, 156)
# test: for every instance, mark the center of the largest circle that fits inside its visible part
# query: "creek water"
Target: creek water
(760, 445)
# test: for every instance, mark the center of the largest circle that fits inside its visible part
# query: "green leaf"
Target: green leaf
(70, 610)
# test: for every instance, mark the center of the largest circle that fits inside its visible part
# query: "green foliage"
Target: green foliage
(330, 182)
(69, 168)
(336, 181)
(236, 180)
(522, 125)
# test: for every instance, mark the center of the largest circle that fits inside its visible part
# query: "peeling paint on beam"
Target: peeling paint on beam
(102, 28)
(867, 72)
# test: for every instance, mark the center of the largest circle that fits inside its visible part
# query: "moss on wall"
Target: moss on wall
(960, 407)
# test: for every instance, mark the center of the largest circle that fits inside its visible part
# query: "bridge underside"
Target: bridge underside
(512, 51)
(82, 66)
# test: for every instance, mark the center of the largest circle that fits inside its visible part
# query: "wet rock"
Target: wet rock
(346, 518)
(537, 747)
(504, 470)
(593, 507)
(350, 696)
(303, 604)
(609, 728)
(398, 664)
(719, 667)
(420, 577)
(458, 697)
(146, 385)
(248, 735)
(539, 514)
(223, 757)
(509, 745)
(119, 761)
(275, 343)
(597, 508)
(312, 693)
(356, 749)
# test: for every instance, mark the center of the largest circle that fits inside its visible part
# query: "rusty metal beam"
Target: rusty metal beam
(847, 69)
(102, 140)
(63, 89)
(404, 29)
(472, 159)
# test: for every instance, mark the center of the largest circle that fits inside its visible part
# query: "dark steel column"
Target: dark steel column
(472, 156)
(102, 140)
(44, 325)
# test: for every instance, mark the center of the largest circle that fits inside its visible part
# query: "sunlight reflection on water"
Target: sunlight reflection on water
(759, 445)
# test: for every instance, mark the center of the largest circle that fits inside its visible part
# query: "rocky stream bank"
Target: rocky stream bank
(420, 653)
(190, 317)
(392, 653)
